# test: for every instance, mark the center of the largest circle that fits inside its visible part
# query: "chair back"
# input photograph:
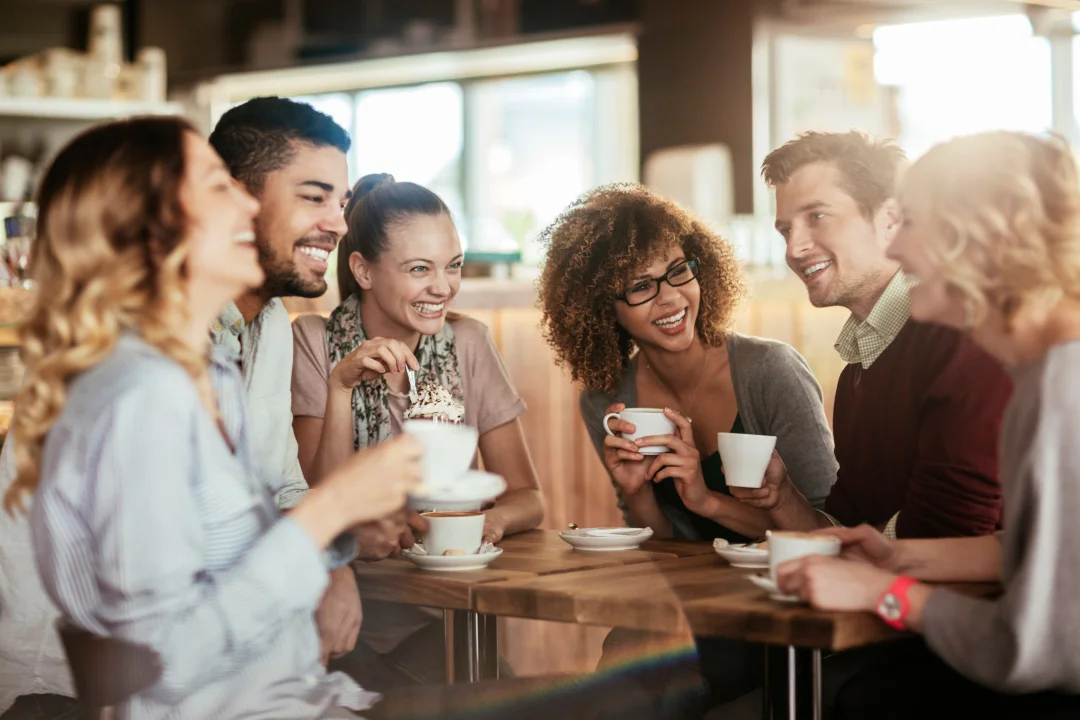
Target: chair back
(106, 671)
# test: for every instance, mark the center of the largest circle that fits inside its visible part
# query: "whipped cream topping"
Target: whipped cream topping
(434, 402)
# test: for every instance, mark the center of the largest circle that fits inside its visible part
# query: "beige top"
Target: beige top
(490, 398)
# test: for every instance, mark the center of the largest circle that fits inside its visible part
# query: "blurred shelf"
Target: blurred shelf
(82, 109)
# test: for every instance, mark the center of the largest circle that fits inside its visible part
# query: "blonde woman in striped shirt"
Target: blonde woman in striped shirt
(152, 522)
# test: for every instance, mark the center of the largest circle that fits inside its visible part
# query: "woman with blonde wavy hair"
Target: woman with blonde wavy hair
(151, 522)
(992, 234)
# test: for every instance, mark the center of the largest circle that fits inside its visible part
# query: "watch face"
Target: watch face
(890, 607)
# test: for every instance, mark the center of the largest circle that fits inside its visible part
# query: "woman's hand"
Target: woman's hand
(373, 483)
(772, 492)
(832, 583)
(621, 457)
(375, 357)
(682, 462)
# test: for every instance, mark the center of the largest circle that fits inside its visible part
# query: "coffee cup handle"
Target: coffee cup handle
(606, 418)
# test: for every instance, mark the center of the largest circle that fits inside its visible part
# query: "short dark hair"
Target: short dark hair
(259, 136)
(377, 204)
(869, 167)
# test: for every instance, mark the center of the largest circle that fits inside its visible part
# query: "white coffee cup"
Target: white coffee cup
(449, 450)
(453, 531)
(647, 422)
(786, 545)
(745, 458)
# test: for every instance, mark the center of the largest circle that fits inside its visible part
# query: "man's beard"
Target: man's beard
(284, 280)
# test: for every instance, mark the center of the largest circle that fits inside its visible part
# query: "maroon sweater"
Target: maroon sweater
(917, 433)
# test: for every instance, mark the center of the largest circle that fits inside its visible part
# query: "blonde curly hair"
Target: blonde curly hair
(593, 250)
(1008, 207)
(109, 257)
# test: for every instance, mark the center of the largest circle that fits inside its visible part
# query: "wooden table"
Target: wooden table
(705, 595)
(471, 636)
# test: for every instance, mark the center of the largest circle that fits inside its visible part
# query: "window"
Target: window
(507, 155)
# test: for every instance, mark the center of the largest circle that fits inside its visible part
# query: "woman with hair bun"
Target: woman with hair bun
(399, 269)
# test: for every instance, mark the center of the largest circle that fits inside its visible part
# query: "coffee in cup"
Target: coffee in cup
(453, 533)
(787, 545)
(647, 422)
(745, 458)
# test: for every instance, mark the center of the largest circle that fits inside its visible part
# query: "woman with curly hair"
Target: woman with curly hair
(637, 297)
(152, 521)
(991, 232)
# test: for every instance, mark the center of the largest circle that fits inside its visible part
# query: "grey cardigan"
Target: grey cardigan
(776, 394)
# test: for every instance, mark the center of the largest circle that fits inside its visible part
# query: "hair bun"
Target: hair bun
(369, 182)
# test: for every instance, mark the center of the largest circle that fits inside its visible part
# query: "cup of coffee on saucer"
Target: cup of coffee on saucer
(647, 422)
(452, 543)
(453, 533)
(787, 545)
(745, 458)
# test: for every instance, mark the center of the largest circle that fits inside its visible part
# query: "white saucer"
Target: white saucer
(606, 538)
(765, 583)
(742, 555)
(472, 490)
(453, 563)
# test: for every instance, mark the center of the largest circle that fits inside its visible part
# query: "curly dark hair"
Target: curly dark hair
(593, 250)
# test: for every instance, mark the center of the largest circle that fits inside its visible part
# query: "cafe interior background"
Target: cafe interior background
(509, 109)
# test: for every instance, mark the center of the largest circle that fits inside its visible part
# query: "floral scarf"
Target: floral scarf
(437, 355)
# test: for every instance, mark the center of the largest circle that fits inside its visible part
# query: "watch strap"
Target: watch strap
(893, 606)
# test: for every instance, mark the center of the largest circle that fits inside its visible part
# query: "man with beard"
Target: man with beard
(292, 158)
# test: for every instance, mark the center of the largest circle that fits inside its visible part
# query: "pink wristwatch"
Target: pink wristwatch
(893, 606)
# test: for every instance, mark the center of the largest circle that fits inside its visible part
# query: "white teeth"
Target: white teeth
(317, 253)
(815, 268)
(670, 322)
(429, 308)
(244, 237)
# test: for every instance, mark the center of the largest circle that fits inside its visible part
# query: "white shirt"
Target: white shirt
(265, 347)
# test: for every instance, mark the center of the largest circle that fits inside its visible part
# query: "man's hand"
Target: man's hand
(339, 614)
(415, 527)
(379, 539)
(771, 493)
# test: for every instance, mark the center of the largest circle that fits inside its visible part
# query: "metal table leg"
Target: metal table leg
(472, 646)
(792, 684)
(815, 660)
(449, 646)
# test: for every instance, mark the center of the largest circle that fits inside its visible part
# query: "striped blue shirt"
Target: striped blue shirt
(148, 528)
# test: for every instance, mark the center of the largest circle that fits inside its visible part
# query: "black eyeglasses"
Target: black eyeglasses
(643, 291)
